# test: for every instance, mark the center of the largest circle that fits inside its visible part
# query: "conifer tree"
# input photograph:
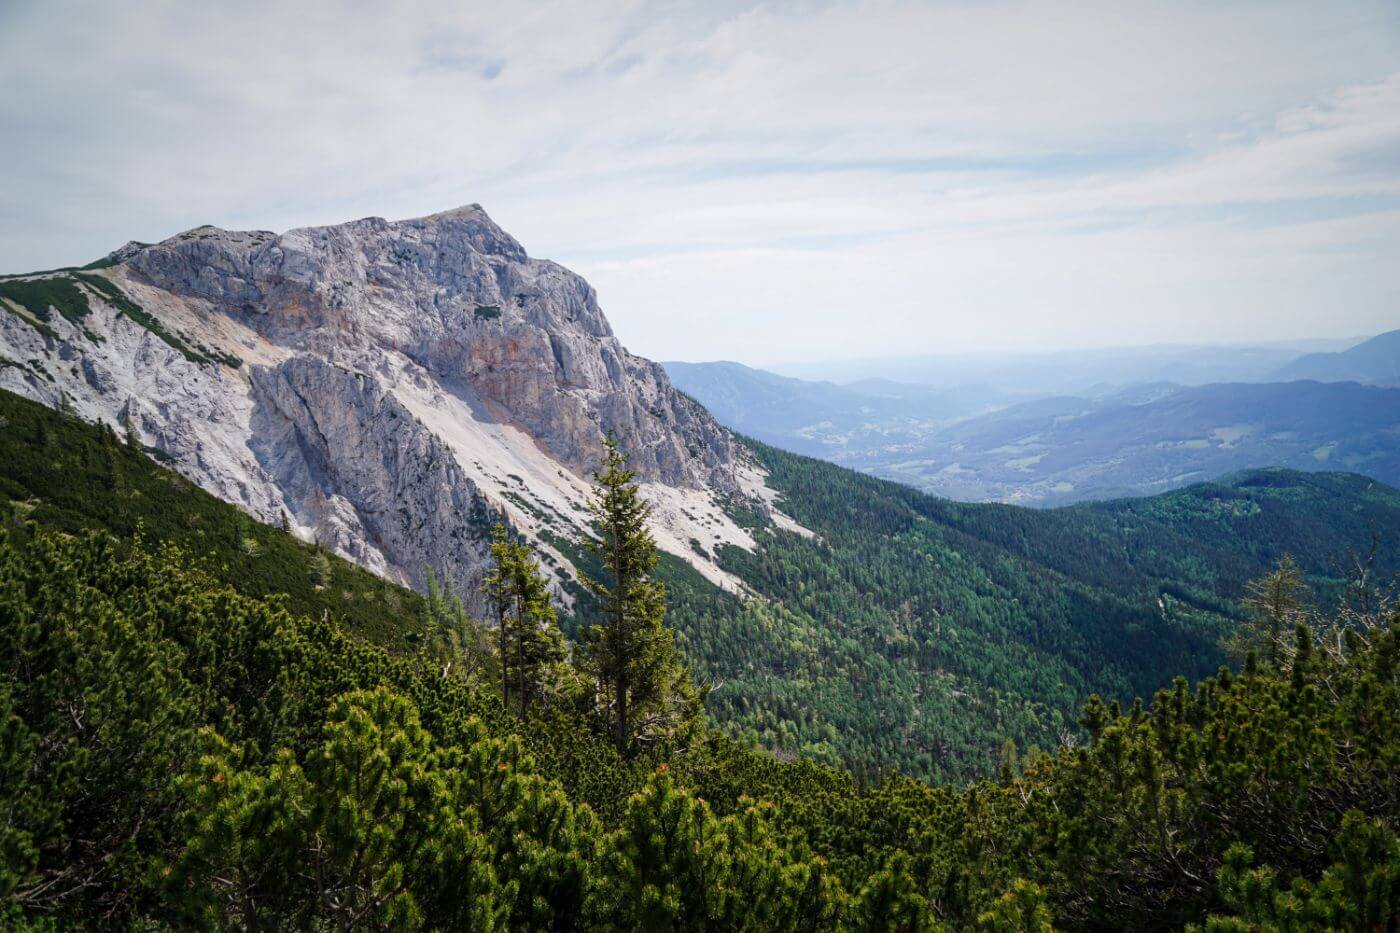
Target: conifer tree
(630, 651)
(320, 568)
(891, 901)
(1275, 603)
(1020, 910)
(530, 643)
(453, 636)
(133, 435)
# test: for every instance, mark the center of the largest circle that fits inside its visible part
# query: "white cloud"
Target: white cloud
(769, 182)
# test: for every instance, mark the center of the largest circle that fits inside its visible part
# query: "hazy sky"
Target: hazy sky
(767, 182)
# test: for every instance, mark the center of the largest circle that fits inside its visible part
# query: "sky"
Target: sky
(769, 182)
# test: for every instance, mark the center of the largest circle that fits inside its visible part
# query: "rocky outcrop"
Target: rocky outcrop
(378, 486)
(389, 388)
(459, 297)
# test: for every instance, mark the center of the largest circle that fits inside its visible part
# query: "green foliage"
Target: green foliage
(369, 832)
(917, 634)
(673, 865)
(486, 313)
(59, 472)
(105, 717)
(1359, 891)
(1275, 603)
(338, 786)
(891, 901)
(180, 748)
(40, 297)
(649, 694)
(531, 648)
(1128, 829)
(1020, 910)
(62, 291)
(453, 636)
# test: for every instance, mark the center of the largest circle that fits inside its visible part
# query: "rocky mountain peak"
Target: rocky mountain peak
(402, 385)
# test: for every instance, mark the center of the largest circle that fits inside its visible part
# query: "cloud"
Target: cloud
(770, 181)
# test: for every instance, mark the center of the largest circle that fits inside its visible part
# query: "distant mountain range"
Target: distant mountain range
(1004, 441)
(1062, 450)
(1074, 372)
(1376, 361)
(823, 419)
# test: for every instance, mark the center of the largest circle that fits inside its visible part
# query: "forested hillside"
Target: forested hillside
(913, 633)
(916, 633)
(176, 753)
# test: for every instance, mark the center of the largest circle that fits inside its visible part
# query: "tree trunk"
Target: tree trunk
(505, 653)
(622, 724)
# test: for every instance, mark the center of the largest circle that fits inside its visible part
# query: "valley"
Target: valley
(984, 443)
(328, 425)
(878, 466)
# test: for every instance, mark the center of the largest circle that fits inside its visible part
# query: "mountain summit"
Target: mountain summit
(389, 388)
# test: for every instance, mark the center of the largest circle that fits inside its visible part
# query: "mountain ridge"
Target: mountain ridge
(390, 388)
(1375, 361)
(1058, 449)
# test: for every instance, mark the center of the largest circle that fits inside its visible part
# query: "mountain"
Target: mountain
(1144, 441)
(891, 629)
(837, 423)
(1108, 441)
(389, 389)
(1073, 372)
(386, 391)
(1375, 361)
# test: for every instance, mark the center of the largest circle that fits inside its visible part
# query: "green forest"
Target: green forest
(206, 723)
(916, 634)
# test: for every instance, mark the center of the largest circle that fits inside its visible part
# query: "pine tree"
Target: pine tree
(497, 586)
(1275, 603)
(452, 636)
(630, 651)
(891, 901)
(25, 810)
(531, 645)
(1020, 910)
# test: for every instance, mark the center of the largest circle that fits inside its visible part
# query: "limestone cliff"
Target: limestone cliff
(390, 388)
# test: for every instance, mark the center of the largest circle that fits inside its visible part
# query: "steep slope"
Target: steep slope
(388, 389)
(63, 474)
(1375, 361)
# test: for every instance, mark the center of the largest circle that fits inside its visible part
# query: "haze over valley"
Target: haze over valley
(1052, 429)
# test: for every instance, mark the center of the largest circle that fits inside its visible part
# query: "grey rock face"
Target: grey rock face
(355, 464)
(403, 386)
(458, 296)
